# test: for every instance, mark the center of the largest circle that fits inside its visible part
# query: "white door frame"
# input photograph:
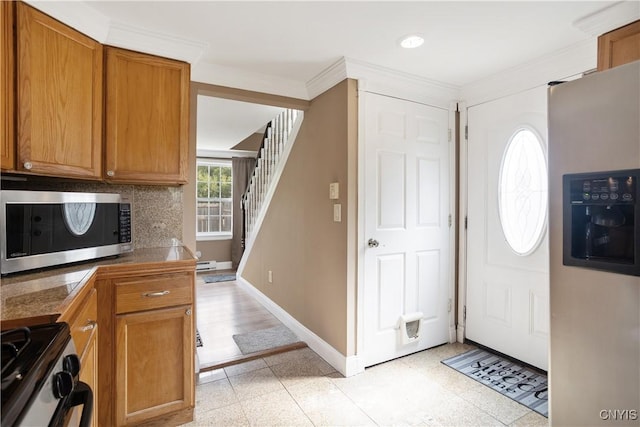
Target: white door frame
(462, 228)
(361, 238)
(565, 64)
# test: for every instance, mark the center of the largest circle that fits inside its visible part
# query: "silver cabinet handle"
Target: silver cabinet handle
(28, 165)
(373, 243)
(110, 173)
(91, 324)
(156, 294)
(187, 312)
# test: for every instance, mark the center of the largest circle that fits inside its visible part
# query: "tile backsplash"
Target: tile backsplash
(157, 213)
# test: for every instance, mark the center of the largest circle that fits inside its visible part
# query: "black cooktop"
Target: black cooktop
(28, 356)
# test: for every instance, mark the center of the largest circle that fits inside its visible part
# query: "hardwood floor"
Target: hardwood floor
(224, 309)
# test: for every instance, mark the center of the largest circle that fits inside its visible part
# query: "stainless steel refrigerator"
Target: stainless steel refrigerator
(594, 370)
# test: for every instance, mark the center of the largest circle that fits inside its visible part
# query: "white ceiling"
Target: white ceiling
(271, 44)
(296, 40)
(223, 123)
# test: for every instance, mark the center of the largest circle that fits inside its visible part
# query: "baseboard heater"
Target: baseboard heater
(205, 265)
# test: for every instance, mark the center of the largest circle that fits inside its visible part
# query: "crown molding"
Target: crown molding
(152, 42)
(205, 72)
(77, 15)
(328, 78)
(611, 17)
(386, 81)
(558, 65)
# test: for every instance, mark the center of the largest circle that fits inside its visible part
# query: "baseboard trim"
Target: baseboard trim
(346, 365)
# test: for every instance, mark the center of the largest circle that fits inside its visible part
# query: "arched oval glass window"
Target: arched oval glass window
(522, 192)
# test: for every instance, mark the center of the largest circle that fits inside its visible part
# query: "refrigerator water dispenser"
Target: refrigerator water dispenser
(600, 217)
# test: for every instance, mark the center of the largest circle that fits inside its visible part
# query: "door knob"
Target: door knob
(373, 243)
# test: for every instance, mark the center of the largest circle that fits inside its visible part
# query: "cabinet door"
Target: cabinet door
(619, 46)
(7, 87)
(147, 118)
(59, 98)
(89, 375)
(154, 363)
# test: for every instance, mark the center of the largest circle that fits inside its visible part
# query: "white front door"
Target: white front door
(406, 219)
(507, 306)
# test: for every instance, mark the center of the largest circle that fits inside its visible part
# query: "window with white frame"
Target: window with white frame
(214, 199)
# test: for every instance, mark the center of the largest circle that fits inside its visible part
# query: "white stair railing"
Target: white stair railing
(272, 155)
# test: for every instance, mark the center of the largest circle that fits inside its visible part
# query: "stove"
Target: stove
(40, 384)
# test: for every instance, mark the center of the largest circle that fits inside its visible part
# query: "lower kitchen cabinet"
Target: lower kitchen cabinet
(154, 363)
(147, 345)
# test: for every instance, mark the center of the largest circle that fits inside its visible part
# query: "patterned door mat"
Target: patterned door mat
(265, 339)
(522, 384)
(219, 278)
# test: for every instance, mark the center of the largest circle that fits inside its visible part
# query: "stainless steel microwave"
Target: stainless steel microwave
(46, 228)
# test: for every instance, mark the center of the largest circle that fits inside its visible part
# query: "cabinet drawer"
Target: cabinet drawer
(146, 293)
(85, 324)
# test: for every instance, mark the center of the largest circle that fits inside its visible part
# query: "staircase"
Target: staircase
(272, 156)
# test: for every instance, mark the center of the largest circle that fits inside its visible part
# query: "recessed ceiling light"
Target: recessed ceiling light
(411, 41)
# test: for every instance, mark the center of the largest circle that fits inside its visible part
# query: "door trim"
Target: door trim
(359, 362)
(462, 206)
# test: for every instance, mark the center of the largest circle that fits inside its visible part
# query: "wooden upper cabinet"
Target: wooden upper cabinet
(60, 97)
(147, 118)
(7, 86)
(619, 46)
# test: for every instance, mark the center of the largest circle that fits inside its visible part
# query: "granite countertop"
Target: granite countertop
(42, 295)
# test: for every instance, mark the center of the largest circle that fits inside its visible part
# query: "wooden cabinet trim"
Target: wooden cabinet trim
(630, 51)
(82, 317)
(7, 88)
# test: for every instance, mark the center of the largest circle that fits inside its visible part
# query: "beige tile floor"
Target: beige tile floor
(299, 388)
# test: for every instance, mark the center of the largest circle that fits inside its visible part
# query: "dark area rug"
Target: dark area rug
(525, 385)
(219, 278)
(198, 339)
(265, 339)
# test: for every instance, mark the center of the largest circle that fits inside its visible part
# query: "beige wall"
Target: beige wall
(214, 250)
(189, 203)
(595, 315)
(250, 143)
(311, 256)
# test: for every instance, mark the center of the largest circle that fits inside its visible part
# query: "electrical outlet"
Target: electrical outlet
(270, 276)
(337, 212)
